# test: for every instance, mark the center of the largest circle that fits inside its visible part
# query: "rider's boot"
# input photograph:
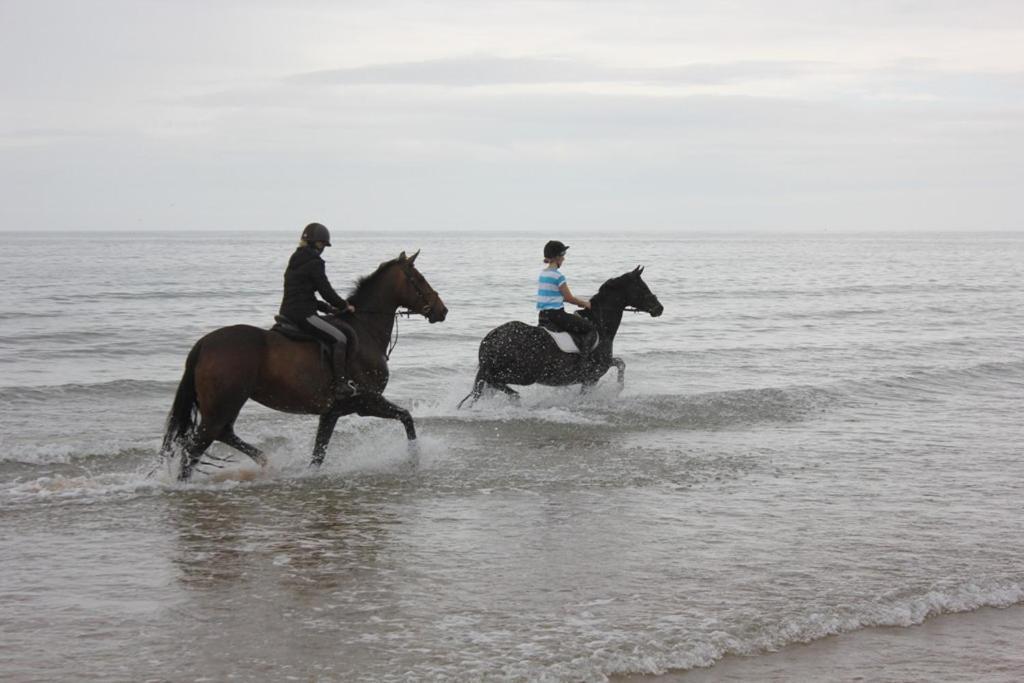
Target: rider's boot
(343, 387)
(587, 342)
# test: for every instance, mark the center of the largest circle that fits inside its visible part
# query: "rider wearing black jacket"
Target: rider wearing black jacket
(305, 277)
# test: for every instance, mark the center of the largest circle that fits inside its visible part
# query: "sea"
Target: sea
(821, 436)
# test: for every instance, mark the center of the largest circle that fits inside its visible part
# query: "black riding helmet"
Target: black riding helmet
(315, 232)
(554, 249)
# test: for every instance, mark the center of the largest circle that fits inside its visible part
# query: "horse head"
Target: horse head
(639, 295)
(415, 293)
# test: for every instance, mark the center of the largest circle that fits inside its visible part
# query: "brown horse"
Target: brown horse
(233, 364)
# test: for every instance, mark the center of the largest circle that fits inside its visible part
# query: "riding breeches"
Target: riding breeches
(565, 322)
(321, 329)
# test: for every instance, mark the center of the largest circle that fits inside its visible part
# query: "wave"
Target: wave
(935, 381)
(166, 294)
(106, 452)
(121, 388)
(138, 471)
(78, 488)
(718, 410)
(906, 612)
(715, 410)
(1011, 370)
(605, 409)
(870, 290)
(136, 409)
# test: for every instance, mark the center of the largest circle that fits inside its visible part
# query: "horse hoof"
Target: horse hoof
(414, 454)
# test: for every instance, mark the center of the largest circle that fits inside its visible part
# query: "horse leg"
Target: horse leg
(223, 376)
(620, 365)
(512, 394)
(193, 452)
(229, 437)
(217, 425)
(324, 432)
(375, 405)
(478, 388)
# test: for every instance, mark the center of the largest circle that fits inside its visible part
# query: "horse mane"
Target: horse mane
(610, 283)
(363, 284)
(602, 292)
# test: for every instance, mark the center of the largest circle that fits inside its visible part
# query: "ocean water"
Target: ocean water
(821, 434)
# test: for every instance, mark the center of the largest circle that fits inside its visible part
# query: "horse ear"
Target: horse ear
(639, 270)
(402, 257)
(412, 258)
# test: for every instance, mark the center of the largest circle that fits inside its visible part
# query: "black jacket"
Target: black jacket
(304, 277)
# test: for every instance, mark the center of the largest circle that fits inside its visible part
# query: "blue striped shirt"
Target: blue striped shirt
(548, 294)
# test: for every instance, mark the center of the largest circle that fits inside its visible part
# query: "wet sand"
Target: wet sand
(984, 645)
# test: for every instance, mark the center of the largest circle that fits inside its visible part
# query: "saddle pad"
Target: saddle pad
(565, 342)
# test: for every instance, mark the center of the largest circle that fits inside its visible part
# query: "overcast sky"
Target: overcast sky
(561, 115)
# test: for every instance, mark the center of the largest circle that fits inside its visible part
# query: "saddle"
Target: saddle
(570, 342)
(289, 329)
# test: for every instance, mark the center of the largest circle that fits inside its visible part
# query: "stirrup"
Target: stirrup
(346, 389)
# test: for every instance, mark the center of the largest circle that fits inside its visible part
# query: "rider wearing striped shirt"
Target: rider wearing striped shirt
(553, 291)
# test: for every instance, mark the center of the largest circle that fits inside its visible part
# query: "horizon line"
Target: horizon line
(624, 232)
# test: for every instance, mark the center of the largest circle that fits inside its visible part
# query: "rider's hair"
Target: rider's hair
(303, 243)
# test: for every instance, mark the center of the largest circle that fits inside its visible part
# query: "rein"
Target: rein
(407, 313)
(393, 342)
(427, 306)
(626, 309)
(394, 336)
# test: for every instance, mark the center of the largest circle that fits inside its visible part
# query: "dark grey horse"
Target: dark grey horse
(517, 353)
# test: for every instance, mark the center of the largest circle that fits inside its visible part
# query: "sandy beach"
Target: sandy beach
(984, 645)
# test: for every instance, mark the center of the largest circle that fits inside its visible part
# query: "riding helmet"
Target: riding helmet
(554, 249)
(315, 232)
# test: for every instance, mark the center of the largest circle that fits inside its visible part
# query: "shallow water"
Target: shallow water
(820, 434)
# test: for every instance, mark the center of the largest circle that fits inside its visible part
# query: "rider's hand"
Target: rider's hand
(351, 308)
(585, 303)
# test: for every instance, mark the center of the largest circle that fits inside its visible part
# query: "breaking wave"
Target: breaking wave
(772, 636)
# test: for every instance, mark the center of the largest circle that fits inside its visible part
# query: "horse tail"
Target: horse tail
(182, 418)
(478, 386)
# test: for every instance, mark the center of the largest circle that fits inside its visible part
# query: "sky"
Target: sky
(556, 115)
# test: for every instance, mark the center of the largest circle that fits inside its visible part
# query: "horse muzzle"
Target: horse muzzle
(656, 310)
(436, 313)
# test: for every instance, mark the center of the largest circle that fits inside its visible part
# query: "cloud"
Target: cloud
(986, 88)
(512, 114)
(489, 70)
(45, 136)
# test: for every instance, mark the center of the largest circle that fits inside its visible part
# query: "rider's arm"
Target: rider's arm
(567, 295)
(323, 287)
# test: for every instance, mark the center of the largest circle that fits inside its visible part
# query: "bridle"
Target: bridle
(425, 310)
(411, 278)
(423, 295)
(648, 299)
